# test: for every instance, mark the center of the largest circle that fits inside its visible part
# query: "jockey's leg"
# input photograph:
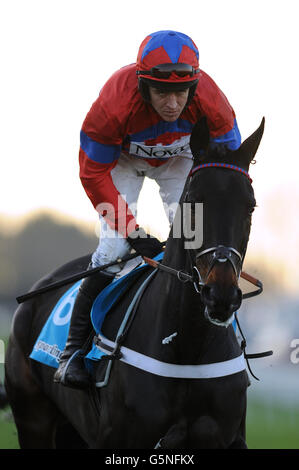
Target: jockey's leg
(71, 371)
(128, 177)
(171, 178)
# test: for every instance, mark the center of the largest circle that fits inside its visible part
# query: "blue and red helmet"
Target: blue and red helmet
(167, 60)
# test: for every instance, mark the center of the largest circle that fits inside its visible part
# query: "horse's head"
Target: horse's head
(227, 198)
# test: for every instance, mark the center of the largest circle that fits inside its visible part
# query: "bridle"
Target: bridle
(228, 166)
(219, 253)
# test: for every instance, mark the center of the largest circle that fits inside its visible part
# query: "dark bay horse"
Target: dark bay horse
(178, 323)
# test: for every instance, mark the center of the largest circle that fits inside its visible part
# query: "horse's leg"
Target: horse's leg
(35, 416)
(3, 397)
(175, 438)
(68, 438)
(205, 433)
(35, 422)
(240, 441)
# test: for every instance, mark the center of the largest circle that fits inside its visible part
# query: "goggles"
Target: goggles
(164, 71)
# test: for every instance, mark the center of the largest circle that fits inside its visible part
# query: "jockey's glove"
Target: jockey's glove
(144, 244)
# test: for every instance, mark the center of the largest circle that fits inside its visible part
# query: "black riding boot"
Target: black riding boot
(71, 371)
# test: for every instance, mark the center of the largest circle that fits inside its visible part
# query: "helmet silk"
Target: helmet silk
(168, 47)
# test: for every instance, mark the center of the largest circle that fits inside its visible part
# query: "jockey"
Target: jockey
(139, 126)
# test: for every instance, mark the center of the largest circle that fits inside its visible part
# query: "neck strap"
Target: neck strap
(220, 165)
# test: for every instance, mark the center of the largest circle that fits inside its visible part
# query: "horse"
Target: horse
(3, 397)
(182, 321)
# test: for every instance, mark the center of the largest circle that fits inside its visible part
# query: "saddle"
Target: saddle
(52, 339)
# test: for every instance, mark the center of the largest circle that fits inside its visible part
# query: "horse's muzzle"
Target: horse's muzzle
(220, 303)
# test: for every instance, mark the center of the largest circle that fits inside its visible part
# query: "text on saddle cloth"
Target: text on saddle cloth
(52, 339)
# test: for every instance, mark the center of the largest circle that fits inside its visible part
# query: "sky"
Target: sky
(57, 54)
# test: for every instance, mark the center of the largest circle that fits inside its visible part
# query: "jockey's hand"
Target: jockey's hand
(144, 244)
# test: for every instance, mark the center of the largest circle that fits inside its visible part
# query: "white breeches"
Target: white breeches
(128, 176)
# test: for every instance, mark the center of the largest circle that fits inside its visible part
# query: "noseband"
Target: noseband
(220, 254)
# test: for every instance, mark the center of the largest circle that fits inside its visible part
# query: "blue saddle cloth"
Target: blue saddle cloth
(52, 339)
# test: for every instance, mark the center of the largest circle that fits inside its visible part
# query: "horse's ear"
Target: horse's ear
(247, 150)
(200, 138)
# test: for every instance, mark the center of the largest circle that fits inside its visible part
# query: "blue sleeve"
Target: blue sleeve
(99, 152)
(232, 139)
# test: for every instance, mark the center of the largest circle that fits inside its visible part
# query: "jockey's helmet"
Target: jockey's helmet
(168, 61)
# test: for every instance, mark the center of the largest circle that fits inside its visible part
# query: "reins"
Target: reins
(181, 275)
(184, 277)
(117, 351)
(220, 253)
(243, 346)
(74, 278)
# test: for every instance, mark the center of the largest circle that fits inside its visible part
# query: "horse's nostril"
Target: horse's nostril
(236, 298)
(208, 295)
(229, 300)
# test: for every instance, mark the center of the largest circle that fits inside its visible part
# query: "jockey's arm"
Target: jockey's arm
(96, 162)
(231, 139)
(220, 114)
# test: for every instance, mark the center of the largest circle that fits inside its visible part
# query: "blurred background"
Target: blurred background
(55, 57)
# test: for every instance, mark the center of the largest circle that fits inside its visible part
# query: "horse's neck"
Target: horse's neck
(175, 254)
(196, 336)
(181, 310)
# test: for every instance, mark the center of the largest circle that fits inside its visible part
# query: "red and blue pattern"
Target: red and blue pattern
(121, 121)
(165, 47)
(220, 165)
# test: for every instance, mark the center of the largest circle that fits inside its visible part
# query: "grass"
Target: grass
(268, 427)
(8, 432)
(272, 426)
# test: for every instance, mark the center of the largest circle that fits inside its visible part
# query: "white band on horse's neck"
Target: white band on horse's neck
(164, 369)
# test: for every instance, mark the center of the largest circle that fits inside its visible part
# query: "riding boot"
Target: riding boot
(71, 371)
